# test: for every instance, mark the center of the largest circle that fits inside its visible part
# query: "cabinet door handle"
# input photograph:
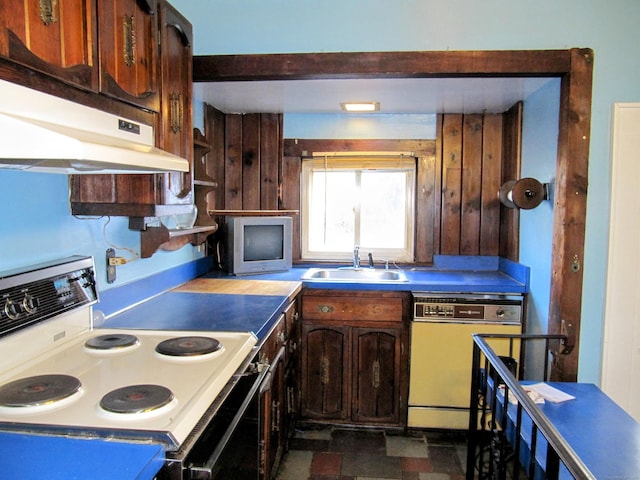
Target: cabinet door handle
(325, 308)
(275, 416)
(291, 400)
(129, 32)
(375, 378)
(176, 112)
(263, 457)
(324, 371)
(47, 12)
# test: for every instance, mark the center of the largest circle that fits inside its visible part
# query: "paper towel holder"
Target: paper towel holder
(526, 193)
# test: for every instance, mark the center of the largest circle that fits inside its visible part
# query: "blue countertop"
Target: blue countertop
(481, 274)
(481, 281)
(36, 457)
(203, 312)
(211, 311)
(602, 434)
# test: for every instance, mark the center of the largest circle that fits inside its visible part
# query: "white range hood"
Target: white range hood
(44, 133)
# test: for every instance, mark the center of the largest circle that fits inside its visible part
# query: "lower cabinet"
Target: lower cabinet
(377, 360)
(326, 356)
(354, 356)
(278, 403)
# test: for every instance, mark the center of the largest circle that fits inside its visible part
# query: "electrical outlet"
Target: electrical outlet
(111, 269)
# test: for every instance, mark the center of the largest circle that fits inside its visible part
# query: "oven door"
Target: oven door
(230, 445)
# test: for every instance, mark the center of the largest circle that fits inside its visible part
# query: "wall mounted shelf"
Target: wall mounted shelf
(154, 238)
(253, 213)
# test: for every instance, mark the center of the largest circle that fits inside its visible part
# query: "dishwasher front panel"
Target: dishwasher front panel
(440, 375)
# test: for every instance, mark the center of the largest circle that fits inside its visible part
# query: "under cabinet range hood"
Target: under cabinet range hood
(44, 133)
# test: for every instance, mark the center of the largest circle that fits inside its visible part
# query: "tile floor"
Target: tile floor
(335, 453)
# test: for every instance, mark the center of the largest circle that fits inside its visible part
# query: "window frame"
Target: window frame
(361, 161)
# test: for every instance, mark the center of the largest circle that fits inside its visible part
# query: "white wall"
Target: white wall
(608, 27)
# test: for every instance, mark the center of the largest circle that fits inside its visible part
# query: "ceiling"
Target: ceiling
(396, 96)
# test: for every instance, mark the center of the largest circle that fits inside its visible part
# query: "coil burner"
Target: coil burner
(38, 390)
(111, 341)
(188, 346)
(134, 399)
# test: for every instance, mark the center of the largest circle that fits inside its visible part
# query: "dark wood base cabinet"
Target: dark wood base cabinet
(354, 357)
(279, 405)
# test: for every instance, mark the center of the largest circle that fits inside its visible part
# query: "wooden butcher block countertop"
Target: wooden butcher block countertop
(242, 287)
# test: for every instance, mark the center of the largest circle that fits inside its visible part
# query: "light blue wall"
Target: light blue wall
(329, 126)
(37, 226)
(539, 158)
(609, 27)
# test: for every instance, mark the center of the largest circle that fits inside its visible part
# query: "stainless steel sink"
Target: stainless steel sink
(364, 275)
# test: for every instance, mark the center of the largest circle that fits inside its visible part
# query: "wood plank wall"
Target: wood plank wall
(246, 159)
(458, 209)
(471, 177)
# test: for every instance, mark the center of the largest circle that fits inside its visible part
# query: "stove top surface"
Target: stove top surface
(184, 386)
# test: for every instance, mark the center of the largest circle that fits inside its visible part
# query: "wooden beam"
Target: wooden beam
(306, 147)
(306, 66)
(570, 207)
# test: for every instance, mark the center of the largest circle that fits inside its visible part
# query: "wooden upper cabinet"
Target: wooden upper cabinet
(162, 194)
(129, 51)
(175, 132)
(54, 37)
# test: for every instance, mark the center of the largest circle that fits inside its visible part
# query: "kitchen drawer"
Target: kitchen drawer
(359, 308)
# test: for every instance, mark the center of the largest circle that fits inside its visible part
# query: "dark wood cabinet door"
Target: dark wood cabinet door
(146, 195)
(175, 132)
(128, 46)
(376, 375)
(275, 440)
(325, 372)
(373, 382)
(57, 38)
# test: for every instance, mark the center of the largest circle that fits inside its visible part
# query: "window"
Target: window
(358, 200)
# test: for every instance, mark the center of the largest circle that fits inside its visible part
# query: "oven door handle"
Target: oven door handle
(205, 472)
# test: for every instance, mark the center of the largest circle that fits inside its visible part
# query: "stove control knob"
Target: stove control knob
(13, 309)
(500, 312)
(30, 303)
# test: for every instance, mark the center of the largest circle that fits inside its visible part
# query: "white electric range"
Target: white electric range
(60, 376)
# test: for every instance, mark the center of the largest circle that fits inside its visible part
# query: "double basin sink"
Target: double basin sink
(351, 275)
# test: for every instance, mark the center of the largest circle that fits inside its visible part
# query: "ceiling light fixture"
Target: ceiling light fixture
(360, 106)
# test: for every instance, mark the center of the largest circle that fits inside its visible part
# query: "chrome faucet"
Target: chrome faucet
(356, 256)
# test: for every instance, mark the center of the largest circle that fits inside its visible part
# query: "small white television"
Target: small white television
(257, 245)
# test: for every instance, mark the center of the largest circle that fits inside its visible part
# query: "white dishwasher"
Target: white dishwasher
(441, 351)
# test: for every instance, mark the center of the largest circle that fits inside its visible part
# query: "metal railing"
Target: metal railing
(491, 452)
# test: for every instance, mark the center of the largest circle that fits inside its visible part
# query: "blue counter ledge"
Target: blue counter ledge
(34, 457)
(449, 274)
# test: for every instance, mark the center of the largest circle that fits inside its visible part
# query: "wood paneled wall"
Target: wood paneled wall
(471, 147)
(477, 153)
(459, 176)
(247, 152)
